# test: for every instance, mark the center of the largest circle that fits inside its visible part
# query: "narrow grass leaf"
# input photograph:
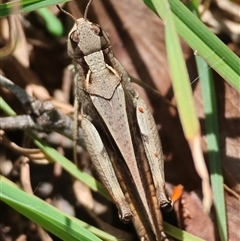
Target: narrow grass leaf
(6, 108)
(178, 71)
(212, 135)
(204, 42)
(55, 156)
(71, 168)
(179, 234)
(52, 23)
(183, 95)
(17, 6)
(42, 213)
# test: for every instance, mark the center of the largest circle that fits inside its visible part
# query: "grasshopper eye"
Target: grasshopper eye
(75, 36)
(96, 29)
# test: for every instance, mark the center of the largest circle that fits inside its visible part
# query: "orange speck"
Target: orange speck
(177, 193)
(140, 109)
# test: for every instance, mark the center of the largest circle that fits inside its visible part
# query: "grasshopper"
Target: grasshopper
(119, 131)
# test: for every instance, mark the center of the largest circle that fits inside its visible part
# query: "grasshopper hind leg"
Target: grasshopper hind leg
(103, 165)
(153, 149)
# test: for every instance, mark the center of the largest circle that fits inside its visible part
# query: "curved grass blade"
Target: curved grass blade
(60, 224)
(179, 234)
(71, 168)
(184, 98)
(55, 156)
(63, 226)
(210, 110)
(204, 42)
(211, 123)
(6, 108)
(17, 6)
(52, 23)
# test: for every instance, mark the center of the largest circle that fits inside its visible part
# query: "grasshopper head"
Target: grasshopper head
(86, 38)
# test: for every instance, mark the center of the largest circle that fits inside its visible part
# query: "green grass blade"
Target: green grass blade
(179, 234)
(15, 7)
(212, 135)
(204, 42)
(210, 109)
(171, 48)
(60, 224)
(180, 79)
(64, 226)
(6, 108)
(71, 168)
(183, 93)
(55, 156)
(52, 23)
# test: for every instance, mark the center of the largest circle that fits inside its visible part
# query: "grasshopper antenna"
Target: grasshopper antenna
(67, 13)
(86, 9)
